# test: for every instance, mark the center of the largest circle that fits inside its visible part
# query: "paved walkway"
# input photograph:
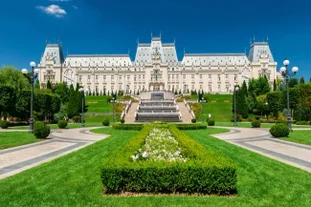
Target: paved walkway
(261, 142)
(60, 142)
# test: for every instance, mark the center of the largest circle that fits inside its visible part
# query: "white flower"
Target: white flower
(145, 154)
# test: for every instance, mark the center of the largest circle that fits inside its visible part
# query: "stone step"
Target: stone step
(185, 114)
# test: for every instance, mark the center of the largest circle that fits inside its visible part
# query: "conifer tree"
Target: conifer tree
(48, 85)
(37, 84)
(274, 85)
(302, 80)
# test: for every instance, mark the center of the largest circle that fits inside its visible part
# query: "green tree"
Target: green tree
(7, 100)
(302, 80)
(62, 90)
(241, 104)
(293, 99)
(262, 86)
(305, 95)
(273, 99)
(37, 84)
(244, 88)
(292, 82)
(49, 85)
(22, 105)
(262, 104)
(73, 106)
(13, 77)
(274, 85)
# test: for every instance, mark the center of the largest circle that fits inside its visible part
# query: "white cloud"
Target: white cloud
(54, 10)
(75, 7)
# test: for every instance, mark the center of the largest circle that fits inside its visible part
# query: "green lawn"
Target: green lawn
(249, 125)
(14, 139)
(99, 103)
(74, 179)
(302, 137)
(219, 106)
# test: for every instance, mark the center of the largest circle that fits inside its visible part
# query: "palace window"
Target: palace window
(96, 89)
(80, 78)
(201, 87)
(104, 77)
(128, 77)
(135, 77)
(120, 77)
(88, 78)
(177, 76)
(218, 77)
(210, 88)
(192, 87)
(201, 76)
(184, 76)
(226, 76)
(112, 77)
(209, 77)
(235, 77)
(96, 78)
(218, 88)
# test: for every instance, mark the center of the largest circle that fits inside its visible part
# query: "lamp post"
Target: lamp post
(235, 90)
(202, 101)
(113, 101)
(81, 89)
(287, 75)
(33, 76)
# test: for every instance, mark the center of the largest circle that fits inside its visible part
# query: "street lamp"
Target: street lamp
(113, 101)
(81, 89)
(202, 101)
(287, 74)
(235, 90)
(33, 76)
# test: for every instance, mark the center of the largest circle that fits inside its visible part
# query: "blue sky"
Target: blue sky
(113, 26)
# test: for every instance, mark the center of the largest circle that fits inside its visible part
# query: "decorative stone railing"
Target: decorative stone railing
(128, 106)
(189, 109)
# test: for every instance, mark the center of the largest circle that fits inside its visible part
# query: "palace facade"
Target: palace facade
(157, 67)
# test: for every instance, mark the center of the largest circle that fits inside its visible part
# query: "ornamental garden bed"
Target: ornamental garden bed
(162, 159)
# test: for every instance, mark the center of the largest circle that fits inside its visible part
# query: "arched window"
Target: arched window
(69, 77)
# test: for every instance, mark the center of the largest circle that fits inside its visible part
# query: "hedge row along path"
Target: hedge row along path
(260, 141)
(59, 143)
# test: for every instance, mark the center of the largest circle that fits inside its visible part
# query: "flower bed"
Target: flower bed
(159, 145)
(194, 170)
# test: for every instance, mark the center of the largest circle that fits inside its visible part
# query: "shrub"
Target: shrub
(41, 130)
(4, 124)
(238, 118)
(281, 122)
(211, 122)
(193, 120)
(256, 123)
(279, 130)
(128, 126)
(76, 119)
(190, 126)
(106, 122)
(205, 172)
(302, 122)
(62, 124)
(122, 121)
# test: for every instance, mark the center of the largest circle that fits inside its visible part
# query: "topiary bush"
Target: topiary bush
(4, 124)
(137, 127)
(279, 130)
(211, 122)
(62, 124)
(302, 123)
(106, 122)
(122, 121)
(41, 130)
(256, 123)
(190, 126)
(193, 120)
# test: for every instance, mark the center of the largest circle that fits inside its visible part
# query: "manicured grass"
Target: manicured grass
(69, 126)
(14, 139)
(74, 180)
(101, 118)
(302, 137)
(98, 104)
(219, 106)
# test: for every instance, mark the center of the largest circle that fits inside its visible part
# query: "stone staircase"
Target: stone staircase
(185, 114)
(129, 117)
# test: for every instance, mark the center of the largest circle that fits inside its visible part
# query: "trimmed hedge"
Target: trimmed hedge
(204, 172)
(62, 124)
(256, 123)
(190, 126)
(210, 122)
(4, 124)
(106, 122)
(41, 130)
(279, 130)
(122, 121)
(128, 126)
(302, 123)
(193, 120)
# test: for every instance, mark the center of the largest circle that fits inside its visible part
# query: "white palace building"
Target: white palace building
(157, 67)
